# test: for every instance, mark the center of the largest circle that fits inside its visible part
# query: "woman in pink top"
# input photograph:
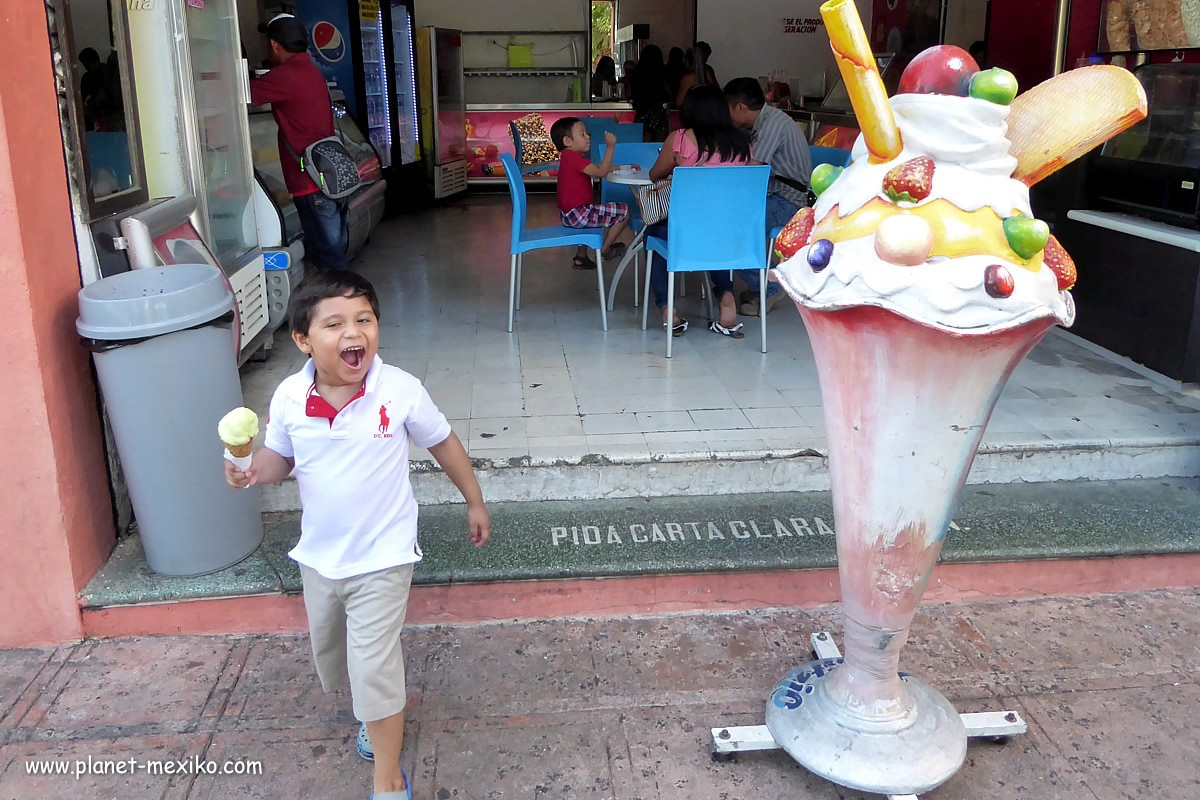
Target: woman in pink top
(708, 138)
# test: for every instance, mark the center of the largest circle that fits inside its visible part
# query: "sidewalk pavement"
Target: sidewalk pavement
(612, 708)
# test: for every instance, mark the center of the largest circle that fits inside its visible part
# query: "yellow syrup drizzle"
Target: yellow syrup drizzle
(956, 233)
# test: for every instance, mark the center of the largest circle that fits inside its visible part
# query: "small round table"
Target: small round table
(640, 178)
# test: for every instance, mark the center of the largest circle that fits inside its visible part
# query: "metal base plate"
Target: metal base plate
(863, 765)
(806, 722)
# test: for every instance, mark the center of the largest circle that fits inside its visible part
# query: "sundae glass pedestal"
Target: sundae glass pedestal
(905, 408)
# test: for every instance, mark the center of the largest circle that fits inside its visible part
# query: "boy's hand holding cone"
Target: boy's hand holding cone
(237, 430)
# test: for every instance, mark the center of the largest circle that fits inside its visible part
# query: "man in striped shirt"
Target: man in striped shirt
(777, 141)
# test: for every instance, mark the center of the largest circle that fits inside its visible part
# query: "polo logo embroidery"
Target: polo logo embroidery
(385, 422)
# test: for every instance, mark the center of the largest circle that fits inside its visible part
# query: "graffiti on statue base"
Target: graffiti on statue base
(790, 691)
(651, 532)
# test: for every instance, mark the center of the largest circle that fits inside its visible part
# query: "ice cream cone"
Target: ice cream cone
(237, 430)
(240, 450)
(905, 409)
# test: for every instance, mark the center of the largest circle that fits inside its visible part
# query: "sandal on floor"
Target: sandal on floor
(679, 328)
(733, 333)
(405, 795)
(615, 250)
(582, 262)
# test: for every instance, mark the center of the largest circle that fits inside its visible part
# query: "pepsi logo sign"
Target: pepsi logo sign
(328, 42)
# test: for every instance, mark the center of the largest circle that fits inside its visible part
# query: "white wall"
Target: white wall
(505, 15)
(748, 38)
(671, 21)
(89, 28)
(966, 22)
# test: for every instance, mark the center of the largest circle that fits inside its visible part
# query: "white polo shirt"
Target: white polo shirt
(352, 468)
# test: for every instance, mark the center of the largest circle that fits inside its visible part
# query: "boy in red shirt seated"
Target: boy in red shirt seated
(575, 198)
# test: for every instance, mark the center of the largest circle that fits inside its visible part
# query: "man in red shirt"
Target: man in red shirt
(300, 103)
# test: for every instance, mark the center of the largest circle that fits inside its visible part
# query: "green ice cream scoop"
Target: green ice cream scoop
(238, 427)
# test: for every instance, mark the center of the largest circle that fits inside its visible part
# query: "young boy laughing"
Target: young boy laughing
(344, 423)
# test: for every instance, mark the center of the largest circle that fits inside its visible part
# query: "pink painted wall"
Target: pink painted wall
(56, 525)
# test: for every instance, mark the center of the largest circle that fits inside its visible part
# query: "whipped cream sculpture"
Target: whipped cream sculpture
(923, 278)
(932, 219)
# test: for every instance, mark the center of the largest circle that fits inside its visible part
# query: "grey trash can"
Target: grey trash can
(164, 352)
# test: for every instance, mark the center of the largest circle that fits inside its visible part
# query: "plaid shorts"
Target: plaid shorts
(595, 215)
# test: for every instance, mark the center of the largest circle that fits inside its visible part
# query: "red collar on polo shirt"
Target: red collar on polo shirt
(317, 406)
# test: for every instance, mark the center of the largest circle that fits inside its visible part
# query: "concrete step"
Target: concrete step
(631, 537)
(704, 472)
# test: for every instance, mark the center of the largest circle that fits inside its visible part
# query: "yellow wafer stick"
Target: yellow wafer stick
(856, 62)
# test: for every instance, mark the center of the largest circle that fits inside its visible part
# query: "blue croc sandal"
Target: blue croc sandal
(364, 744)
(405, 795)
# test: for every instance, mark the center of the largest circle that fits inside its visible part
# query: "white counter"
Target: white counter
(582, 107)
(1138, 226)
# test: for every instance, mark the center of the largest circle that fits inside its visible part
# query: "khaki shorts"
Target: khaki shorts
(355, 625)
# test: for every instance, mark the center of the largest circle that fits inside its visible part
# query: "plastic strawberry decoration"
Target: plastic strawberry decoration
(1060, 263)
(911, 182)
(795, 234)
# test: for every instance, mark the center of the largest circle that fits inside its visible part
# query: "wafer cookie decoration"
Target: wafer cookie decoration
(1064, 117)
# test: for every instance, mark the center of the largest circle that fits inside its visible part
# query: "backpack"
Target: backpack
(330, 165)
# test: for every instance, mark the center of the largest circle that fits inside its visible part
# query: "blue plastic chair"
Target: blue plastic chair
(631, 133)
(644, 154)
(526, 239)
(519, 147)
(704, 235)
(626, 132)
(830, 155)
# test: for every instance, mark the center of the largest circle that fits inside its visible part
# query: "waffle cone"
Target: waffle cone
(1062, 118)
(240, 450)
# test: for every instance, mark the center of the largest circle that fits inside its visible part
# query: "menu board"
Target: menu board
(1144, 25)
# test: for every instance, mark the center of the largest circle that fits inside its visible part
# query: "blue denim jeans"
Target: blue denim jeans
(779, 213)
(658, 273)
(325, 234)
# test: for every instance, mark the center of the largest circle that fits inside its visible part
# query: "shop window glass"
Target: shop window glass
(101, 87)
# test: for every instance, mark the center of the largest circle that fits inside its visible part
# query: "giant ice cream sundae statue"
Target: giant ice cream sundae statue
(923, 278)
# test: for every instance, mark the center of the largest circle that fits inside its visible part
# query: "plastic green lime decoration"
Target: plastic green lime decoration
(823, 176)
(1026, 236)
(996, 85)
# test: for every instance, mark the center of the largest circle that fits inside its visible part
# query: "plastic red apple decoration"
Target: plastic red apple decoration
(944, 69)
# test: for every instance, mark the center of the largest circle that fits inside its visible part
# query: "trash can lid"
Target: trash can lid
(150, 302)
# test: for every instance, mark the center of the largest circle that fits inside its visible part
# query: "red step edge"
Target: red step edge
(655, 594)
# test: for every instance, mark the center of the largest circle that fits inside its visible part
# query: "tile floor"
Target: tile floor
(559, 388)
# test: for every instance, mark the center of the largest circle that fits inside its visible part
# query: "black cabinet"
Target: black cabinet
(1139, 289)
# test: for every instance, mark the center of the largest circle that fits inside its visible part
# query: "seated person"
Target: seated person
(775, 140)
(708, 138)
(575, 196)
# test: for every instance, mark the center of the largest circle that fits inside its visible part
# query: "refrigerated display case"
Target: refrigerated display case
(1136, 237)
(193, 87)
(1153, 169)
(376, 79)
(443, 108)
(279, 230)
(404, 82)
